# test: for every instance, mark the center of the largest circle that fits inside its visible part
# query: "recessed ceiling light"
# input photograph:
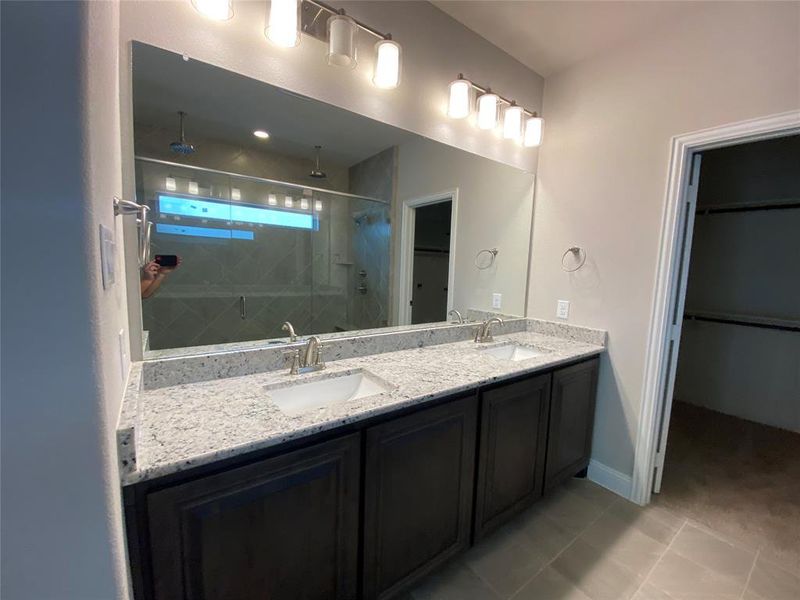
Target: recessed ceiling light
(261, 134)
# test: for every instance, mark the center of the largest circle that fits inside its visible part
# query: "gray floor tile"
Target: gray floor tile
(771, 582)
(595, 573)
(454, 582)
(682, 579)
(659, 523)
(714, 553)
(569, 511)
(648, 592)
(588, 490)
(546, 536)
(625, 543)
(549, 584)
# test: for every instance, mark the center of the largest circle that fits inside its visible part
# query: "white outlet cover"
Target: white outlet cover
(497, 300)
(108, 252)
(562, 310)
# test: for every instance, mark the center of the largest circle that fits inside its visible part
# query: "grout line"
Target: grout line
(750, 574)
(663, 554)
(568, 545)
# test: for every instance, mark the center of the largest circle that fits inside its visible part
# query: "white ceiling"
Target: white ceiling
(548, 36)
(226, 106)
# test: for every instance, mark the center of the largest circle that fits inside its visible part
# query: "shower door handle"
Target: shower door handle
(242, 307)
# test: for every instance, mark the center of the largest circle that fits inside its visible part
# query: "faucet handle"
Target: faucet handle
(294, 356)
(319, 362)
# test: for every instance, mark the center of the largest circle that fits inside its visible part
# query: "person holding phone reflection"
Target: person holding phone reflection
(154, 273)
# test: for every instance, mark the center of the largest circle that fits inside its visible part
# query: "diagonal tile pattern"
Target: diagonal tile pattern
(585, 543)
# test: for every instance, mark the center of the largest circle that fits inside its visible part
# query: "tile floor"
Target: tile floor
(585, 543)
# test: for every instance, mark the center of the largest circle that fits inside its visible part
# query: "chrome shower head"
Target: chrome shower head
(316, 172)
(181, 146)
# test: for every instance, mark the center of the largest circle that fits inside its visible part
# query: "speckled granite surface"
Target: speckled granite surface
(174, 428)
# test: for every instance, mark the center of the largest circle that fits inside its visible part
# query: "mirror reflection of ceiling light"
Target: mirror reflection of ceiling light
(318, 205)
(171, 184)
(288, 202)
(459, 107)
(218, 10)
(236, 194)
(304, 204)
(194, 188)
(261, 134)
(272, 200)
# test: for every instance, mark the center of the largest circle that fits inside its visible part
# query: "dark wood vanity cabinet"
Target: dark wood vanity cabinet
(569, 435)
(513, 442)
(418, 486)
(282, 528)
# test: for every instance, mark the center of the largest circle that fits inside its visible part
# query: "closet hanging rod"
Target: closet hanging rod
(733, 208)
(743, 321)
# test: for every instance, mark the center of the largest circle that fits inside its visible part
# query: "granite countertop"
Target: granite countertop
(183, 426)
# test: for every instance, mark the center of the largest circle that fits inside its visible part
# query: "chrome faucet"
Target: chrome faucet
(288, 327)
(460, 320)
(310, 359)
(484, 331)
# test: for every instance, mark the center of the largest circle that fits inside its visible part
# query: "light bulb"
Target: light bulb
(171, 184)
(219, 10)
(261, 134)
(272, 200)
(512, 122)
(534, 129)
(236, 194)
(487, 111)
(387, 64)
(282, 25)
(342, 41)
(318, 205)
(304, 204)
(460, 92)
(194, 188)
(288, 202)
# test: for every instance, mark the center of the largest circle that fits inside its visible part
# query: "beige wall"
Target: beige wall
(494, 211)
(603, 167)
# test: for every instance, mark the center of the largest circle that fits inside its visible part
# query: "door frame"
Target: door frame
(669, 291)
(406, 268)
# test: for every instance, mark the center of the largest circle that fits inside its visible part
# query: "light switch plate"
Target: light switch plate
(562, 311)
(123, 355)
(107, 256)
(497, 300)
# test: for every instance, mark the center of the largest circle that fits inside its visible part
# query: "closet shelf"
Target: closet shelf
(744, 320)
(783, 204)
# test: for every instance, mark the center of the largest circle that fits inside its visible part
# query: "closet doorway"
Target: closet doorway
(729, 439)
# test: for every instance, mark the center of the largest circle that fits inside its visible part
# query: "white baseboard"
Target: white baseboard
(611, 479)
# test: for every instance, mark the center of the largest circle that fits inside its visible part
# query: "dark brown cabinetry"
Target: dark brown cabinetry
(281, 528)
(417, 494)
(569, 436)
(513, 438)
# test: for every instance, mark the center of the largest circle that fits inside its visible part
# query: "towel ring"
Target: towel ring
(579, 252)
(491, 254)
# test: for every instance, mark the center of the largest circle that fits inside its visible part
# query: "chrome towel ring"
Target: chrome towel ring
(485, 258)
(580, 257)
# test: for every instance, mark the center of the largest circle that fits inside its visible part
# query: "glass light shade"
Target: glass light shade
(318, 205)
(283, 23)
(387, 64)
(219, 10)
(304, 204)
(342, 41)
(288, 202)
(272, 200)
(171, 184)
(194, 188)
(534, 128)
(487, 111)
(512, 122)
(236, 194)
(460, 93)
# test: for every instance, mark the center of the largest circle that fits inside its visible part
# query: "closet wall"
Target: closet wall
(740, 347)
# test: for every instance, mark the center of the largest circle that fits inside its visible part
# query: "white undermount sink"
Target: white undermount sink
(305, 396)
(513, 352)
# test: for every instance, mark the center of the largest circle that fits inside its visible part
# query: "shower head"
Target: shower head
(181, 146)
(316, 173)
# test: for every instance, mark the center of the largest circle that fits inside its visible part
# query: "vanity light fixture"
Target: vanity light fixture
(283, 23)
(460, 104)
(236, 194)
(512, 122)
(304, 204)
(218, 10)
(288, 202)
(318, 205)
(194, 188)
(272, 200)
(487, 110)
(342, 41)
(533, 131)
(170, 184)
(261, 134)
(387, 64)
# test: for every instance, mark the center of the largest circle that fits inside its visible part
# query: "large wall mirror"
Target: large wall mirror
(329, 220)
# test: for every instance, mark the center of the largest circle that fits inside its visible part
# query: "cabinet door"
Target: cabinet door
(282, 528)
(572, 402)
(512, 449)
(418, 494)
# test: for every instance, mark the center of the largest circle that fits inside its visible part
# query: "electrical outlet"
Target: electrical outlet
(562, 311)
(497, 300)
